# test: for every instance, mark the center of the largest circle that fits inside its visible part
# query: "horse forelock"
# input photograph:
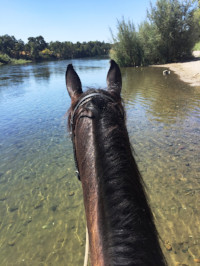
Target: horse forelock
(95, 103)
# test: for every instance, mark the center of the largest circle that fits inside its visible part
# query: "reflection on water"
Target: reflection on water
(41, 210)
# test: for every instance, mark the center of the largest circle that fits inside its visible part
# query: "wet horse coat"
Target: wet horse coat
(119, 219)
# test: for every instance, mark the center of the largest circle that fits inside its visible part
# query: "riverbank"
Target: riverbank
(188, 71)
(17, 62)
(5, 60)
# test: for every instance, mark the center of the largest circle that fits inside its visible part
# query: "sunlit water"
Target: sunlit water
(42, 218)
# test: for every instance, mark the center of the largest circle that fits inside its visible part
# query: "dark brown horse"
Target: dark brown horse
(119, 219)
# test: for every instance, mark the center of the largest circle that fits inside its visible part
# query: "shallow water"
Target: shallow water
(41, 210)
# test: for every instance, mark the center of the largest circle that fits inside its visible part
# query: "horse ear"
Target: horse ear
(73, 83)
(114, 78)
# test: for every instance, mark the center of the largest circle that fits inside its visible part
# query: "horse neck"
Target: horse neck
(84, 143)
(120, 223)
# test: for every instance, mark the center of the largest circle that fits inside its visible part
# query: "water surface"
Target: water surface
(42, 218)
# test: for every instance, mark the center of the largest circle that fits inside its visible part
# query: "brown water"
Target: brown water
(41, 210)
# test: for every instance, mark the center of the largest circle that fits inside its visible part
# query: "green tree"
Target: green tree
(175, 27)
(35, 45)
(18, 49)
(7, 44)
(56, 48)
(149, 39)
(37, 49)
(168, 34)
(197, 16)
(126, 48)
(67, 50)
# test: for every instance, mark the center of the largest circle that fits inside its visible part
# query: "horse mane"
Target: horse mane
(129, 234)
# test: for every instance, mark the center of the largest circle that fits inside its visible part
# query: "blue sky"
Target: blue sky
(64, 20)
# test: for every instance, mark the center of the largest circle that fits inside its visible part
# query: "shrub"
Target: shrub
(126, 49)
(167, 35)
(5, 59)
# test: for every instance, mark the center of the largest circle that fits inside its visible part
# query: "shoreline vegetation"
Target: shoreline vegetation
(12, 61)
(23, 61)
(13, 51)
(167, 35)
(167, 38)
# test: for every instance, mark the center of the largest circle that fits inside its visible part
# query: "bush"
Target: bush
(5, 59)
(167, 35)
(149, 39)
(126, 49)
(176, 27)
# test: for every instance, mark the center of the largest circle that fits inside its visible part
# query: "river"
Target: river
(42, 218)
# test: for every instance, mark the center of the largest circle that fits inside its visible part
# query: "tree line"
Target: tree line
(37, 49)
(168, 34)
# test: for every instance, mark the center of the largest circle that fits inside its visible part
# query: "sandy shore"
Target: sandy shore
(188, 72)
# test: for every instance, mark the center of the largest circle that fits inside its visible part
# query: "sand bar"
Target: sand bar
(188, 71)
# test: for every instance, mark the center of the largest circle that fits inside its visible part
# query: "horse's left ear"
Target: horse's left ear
(114, 78)
(73, 83)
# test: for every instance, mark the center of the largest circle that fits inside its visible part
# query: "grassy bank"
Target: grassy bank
(5, 59)
(20, 61)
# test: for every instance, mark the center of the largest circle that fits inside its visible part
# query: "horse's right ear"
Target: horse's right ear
(114, 78)
(73, 83)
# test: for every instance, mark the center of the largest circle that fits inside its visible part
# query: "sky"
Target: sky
(64, 20)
